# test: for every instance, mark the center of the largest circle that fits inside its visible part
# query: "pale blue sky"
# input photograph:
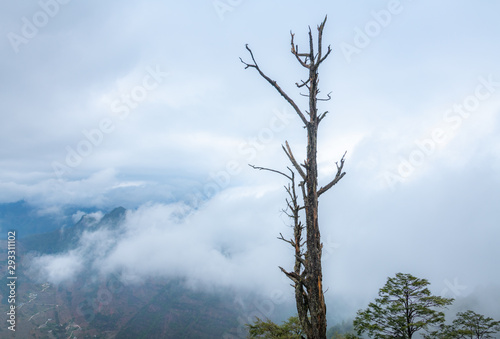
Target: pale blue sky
(195, 115)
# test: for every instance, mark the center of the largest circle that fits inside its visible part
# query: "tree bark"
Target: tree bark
(307, 275)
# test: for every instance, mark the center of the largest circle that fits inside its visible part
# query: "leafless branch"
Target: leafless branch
(326, 55)
(311, 49)
(286, 213)
(322, 116)
(337, 178)
(270, 170)
(301, 260)
(306, 273)
(320, 36)
(320, 43)
(304, 195)
(288, 152)
(285, 240)
(274, 84)
(326, 99)
(295, 51)
(293, 276)
(304, 83)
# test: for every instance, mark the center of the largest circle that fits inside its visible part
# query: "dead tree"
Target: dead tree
(307, 274)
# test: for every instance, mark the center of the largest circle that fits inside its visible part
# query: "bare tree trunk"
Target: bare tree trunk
(307, 274)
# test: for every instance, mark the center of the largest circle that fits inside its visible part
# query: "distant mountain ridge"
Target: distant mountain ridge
(26, 219)
(63, 239)
(104, 307)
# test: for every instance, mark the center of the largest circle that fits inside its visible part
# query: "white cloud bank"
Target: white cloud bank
(225, 243)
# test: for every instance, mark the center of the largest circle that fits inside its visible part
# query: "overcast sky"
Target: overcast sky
(145, 103)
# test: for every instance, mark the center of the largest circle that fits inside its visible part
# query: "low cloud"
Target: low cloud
(58, 268)
(95, 217)
(224, 243)
(230, 241)
(103, 189)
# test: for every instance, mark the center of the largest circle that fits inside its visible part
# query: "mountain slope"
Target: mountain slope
(103, 306)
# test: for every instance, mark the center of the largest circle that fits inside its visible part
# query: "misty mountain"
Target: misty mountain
(113, 275)
(66, 238)
(103, 306)
(28, 220)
